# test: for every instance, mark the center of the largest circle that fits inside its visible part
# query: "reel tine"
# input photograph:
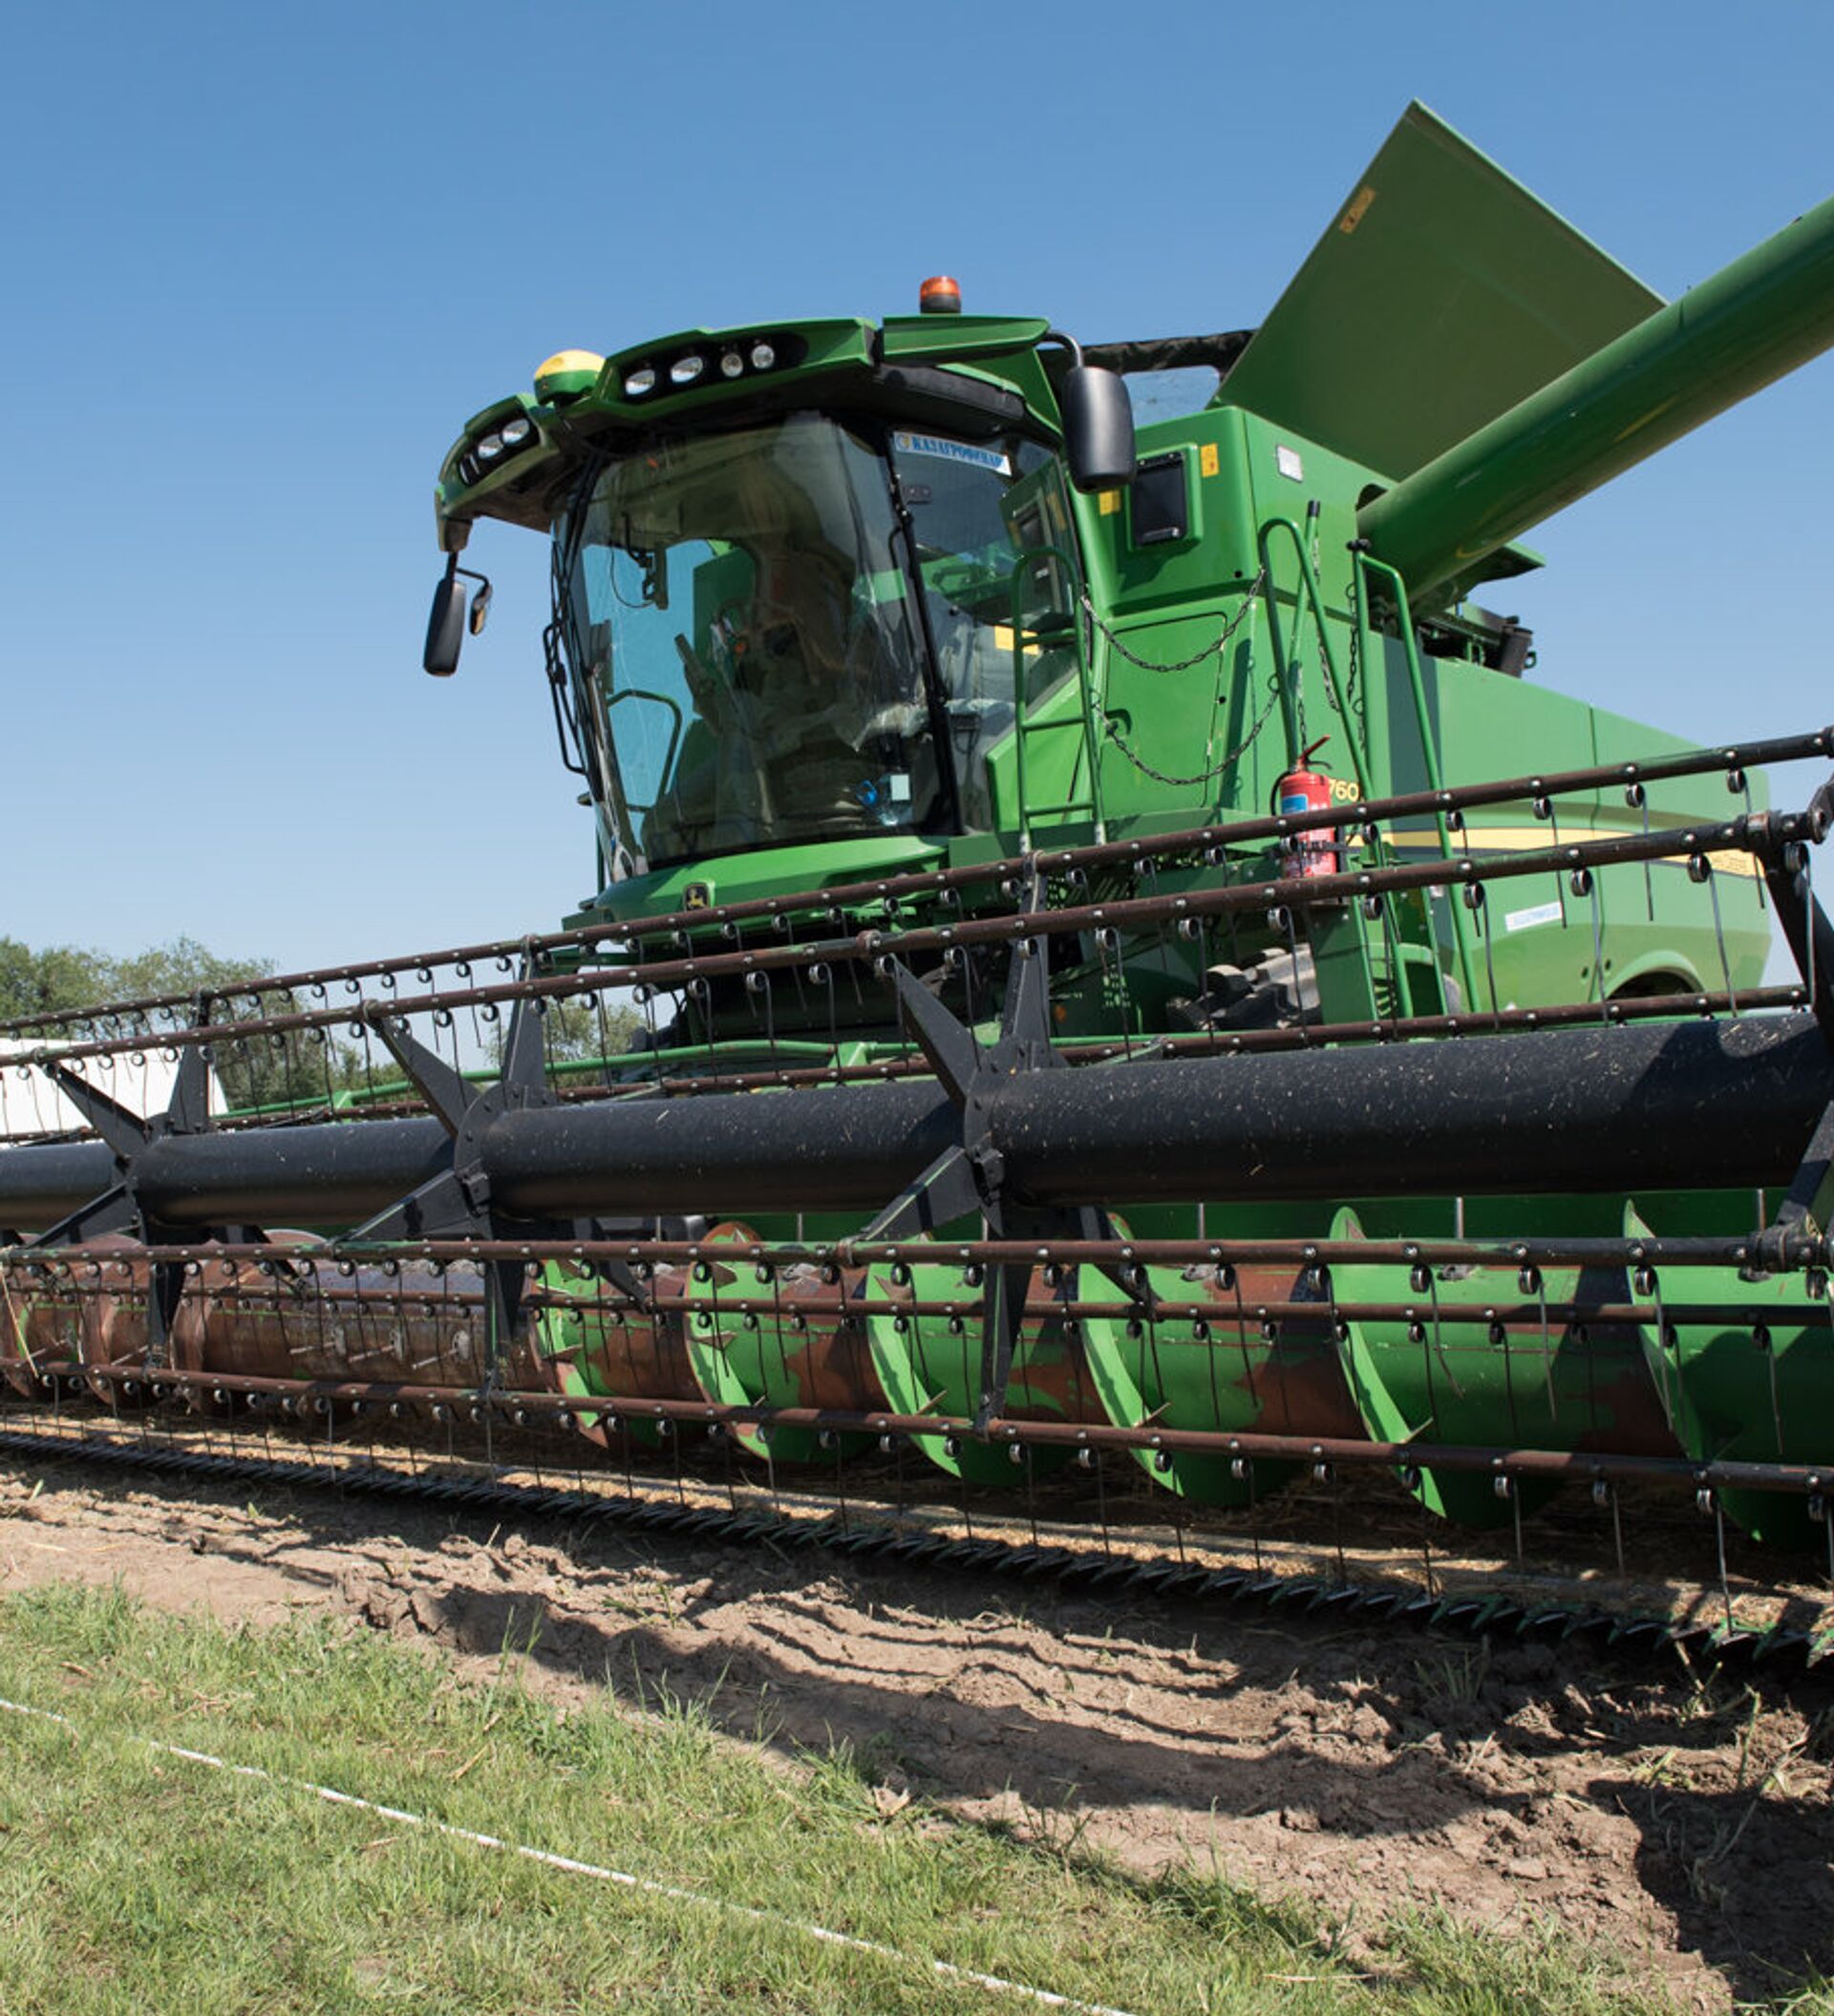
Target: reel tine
(1761, 1338)
(1547, 1345)
(1639, 798)
(1003, 1296)
(1437, 1334)
(1711, 881)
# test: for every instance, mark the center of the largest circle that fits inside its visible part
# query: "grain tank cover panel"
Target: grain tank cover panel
(1441, 295)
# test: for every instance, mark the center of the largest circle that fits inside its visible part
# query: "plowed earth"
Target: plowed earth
(1682, 1821)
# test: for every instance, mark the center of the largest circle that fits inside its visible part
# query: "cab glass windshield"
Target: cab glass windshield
(742, 644)
(799, 630)
(976, 509)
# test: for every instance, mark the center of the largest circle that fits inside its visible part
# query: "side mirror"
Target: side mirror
(445, 627)
(1097, 427)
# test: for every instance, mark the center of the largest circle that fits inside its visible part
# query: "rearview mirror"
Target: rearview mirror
(445, 627)
(1097, 427)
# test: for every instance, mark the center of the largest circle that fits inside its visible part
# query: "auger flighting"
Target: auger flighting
(1044, 1052)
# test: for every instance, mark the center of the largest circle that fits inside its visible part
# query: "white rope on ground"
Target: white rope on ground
(644, 1886)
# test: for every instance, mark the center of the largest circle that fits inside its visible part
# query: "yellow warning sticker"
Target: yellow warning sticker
(1358, 203)
(1110, 503)
(1209, 458)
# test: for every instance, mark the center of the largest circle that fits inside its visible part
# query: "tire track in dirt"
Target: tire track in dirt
(1682, 1825)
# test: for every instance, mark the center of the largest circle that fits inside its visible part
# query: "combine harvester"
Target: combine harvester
(1149, 1017)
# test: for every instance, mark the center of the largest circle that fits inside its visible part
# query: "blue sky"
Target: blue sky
(265, 261)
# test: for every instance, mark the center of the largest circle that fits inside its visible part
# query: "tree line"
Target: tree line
(53, 979)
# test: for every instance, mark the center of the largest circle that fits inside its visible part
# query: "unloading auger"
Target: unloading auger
(1000, 1041)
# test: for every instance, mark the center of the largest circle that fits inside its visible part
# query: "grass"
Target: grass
(130, 1879)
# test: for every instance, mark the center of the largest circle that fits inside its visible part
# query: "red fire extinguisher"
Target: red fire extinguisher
(1318, 851)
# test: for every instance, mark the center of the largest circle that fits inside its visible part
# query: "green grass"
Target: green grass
(135, 1881)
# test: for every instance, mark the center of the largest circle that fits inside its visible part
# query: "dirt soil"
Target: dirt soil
(1687, 1825)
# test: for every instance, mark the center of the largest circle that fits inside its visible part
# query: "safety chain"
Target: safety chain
(1350, 706)
(1203, 777)
(1230, 629)
(1209, 650)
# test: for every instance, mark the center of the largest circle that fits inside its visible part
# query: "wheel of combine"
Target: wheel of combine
(760, 1335)
(1449, 1368)
(1747, 1374)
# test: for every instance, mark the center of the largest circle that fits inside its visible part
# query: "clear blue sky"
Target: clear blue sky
(264, 261)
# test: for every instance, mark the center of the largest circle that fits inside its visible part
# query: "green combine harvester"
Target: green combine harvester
(1133, 976)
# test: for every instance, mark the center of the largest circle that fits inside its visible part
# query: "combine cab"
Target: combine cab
(1133, 977)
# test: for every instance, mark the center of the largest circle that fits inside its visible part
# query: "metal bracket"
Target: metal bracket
(455, 1203)
(1806, 1210)
(1806, 1213)
(120, 1207)
(970, 1176)
(1806, 926)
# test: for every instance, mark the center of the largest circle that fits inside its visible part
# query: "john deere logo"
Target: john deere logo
(697, 895)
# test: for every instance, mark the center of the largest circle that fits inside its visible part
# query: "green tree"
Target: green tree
(57, 979)
(299, 1069)
(44, 982)
(571, 1030)
(252, 1071)
(574, 1032)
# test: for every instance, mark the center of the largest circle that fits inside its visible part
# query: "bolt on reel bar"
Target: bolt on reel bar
(1074, 1158)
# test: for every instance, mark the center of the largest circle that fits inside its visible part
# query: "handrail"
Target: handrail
(1021, 728)
(1364, 562)
(1309, 582)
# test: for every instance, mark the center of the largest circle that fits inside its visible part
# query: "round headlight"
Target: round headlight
(490, 447)
(730, 364)
(517, 433)
(684, 371)
(639, 382)
(763, 356)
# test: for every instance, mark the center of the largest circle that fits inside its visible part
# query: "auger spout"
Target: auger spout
(1734, 334)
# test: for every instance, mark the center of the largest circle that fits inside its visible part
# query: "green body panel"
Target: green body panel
(777, 872)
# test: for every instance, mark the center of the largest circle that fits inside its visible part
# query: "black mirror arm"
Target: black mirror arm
(446, 625)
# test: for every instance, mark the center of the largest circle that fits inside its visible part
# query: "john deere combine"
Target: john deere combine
(1133, 976)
